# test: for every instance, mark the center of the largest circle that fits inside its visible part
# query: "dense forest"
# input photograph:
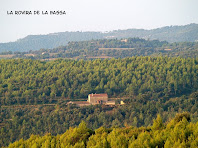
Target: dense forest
(157, 81)
(32, 81)
(111, 48)
(187, 33)
(21, 121)
(34, 93)
(179, 132)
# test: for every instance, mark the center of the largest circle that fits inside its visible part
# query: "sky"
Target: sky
(92, 15)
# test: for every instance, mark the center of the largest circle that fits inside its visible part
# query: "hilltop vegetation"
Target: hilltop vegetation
(109, 48)
(187, 33)
(179, 132)
(121, 49)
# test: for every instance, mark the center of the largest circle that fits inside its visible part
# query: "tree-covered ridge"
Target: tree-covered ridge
(36, 42)
(179, 132)
(187, 33)
(115, 43)
(128, 48)
(109, 48)
(31, 81)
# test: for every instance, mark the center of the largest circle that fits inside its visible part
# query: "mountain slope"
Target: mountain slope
(187, 33)
(36, 42)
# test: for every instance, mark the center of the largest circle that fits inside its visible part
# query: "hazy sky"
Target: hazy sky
(93, 15)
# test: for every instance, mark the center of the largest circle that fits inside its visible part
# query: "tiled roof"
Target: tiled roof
(98, 95)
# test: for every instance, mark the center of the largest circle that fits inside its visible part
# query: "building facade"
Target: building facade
(94, 99)
(97, 98)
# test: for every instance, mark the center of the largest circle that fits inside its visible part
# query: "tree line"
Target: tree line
(179, 132)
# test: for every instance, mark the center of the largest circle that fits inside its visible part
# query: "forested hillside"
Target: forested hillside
(179, 132)
(21, 121)
(109, 48)
(121, 48)
(187, 33)
(31, 81)
(34, 94)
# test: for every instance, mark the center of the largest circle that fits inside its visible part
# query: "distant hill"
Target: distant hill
(187, 33)
(111, 48)
(36, 42)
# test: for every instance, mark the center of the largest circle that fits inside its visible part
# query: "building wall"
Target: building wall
(110, 103)
(88, 98)
(94, 100)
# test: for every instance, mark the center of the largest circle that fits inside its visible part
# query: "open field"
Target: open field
(51, 54)
(7, 56)
(29, 55)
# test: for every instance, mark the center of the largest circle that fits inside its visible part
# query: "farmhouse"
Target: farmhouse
(97, 98)
(94, 99)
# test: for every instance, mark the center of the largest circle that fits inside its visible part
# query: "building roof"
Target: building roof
(98, 95)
